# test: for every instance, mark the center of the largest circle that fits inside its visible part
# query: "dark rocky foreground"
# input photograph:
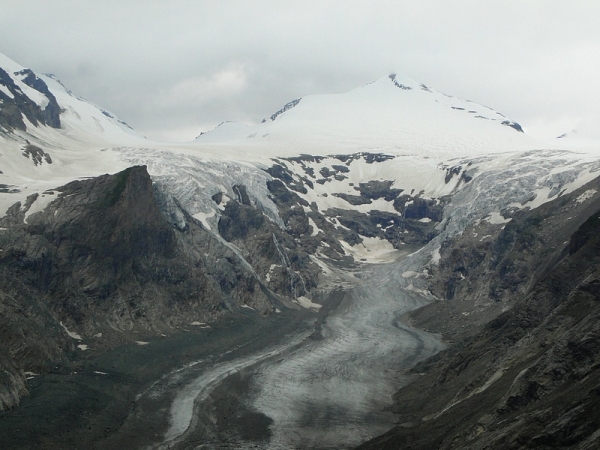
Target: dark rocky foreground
(295, 379)
(522, 310)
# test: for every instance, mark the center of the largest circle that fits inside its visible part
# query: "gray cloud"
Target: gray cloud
(174, 69)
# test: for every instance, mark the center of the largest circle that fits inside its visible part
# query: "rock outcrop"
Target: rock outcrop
(15, 104)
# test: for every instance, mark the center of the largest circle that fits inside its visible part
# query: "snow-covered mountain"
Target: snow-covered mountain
(257, 216)
(384, 147)
(392, 115)
(49, 136)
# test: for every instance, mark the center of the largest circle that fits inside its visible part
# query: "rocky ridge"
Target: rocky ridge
(16, 104)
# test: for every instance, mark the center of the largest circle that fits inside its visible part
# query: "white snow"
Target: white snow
(436, 257)
(307, 303)
(5, 90)
(203, 217)
(71, 333)
(424, 131)
(372, 250)
(142, 342)
(268, 275)
(100, 373)
(82, 347)
(586, 195)
(39, 204)
(400, 119)
(314, 228)
(196, 323)
(410, 274)
(496, 218)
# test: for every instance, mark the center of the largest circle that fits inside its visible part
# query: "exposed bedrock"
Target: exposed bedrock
(277, 258)
(17, 105)
(407, 219)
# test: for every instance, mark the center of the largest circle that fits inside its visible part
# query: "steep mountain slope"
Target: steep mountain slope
(522, 303)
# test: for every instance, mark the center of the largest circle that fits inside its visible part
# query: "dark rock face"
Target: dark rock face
(370, 191)
(523, 375)
(398, 85)
(103, 258)
(280, 172)
(279, 256)
(513, 125)
(13, 109)
(419, 208)
(51, 113)
(38, 156)
(285, 108)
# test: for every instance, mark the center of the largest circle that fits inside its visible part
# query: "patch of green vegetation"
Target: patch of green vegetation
(115, 193)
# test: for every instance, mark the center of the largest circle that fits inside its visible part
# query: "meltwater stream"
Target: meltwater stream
(329, 393)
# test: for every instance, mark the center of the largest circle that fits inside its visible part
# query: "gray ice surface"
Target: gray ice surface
(331, 393)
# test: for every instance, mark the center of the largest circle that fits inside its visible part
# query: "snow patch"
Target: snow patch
(315, 228)
(71, 333)
(203, 218)
(410, 274)
(586, 195)
(82, 347)
(307, 303)
(495, 218)
(268, 275)
(436, 257)
(142, 342)
(5, 90)
(372, 250)
(411, 287)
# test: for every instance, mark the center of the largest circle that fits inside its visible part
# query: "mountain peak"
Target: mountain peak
(391, 113)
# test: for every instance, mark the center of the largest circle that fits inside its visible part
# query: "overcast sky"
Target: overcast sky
(172, 69)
